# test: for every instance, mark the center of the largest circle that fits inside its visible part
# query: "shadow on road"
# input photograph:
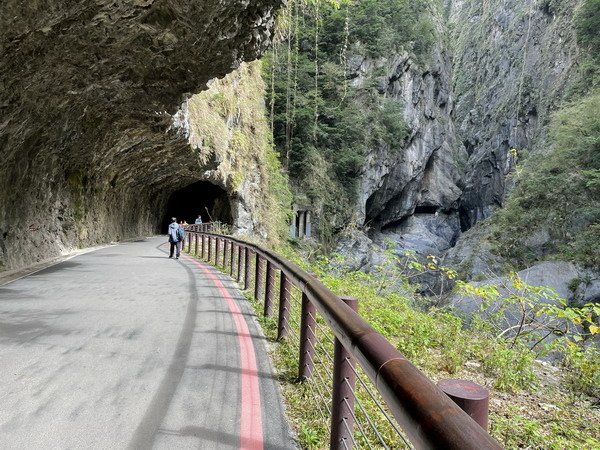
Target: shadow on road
(145, 433)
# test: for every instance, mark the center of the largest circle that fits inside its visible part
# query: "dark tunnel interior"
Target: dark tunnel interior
(200, 198)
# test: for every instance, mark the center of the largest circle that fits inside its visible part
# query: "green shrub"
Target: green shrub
(583, 368)
(512, 369)
(587, 24)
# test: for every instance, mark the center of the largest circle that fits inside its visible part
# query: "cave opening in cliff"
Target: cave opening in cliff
(426, 209)
(202, 197)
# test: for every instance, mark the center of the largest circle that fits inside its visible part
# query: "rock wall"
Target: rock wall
(410, 192)
(513, 60)
(484, 98)
(422, 171)
(482, 101)
(88, 90)
(230, 138)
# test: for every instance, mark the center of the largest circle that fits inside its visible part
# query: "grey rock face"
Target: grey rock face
(472, 255)
(512, 62)
(427, 234)
(358, 251)
(87, 94)
(574, 284)
(423, 175)
(492, 91)
(422, 171)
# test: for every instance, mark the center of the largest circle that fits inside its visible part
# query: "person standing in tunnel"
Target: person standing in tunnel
(174, 239)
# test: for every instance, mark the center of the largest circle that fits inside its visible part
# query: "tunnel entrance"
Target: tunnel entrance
(202, 197)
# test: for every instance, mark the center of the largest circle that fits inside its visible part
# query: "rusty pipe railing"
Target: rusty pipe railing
(426, 414)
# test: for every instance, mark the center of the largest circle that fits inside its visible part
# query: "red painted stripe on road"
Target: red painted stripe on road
(251, 431)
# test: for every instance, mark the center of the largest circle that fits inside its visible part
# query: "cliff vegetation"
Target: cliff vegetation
(554, 211)
(323, 123)
(227, 125)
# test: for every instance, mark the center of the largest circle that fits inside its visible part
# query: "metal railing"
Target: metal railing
(413, 409)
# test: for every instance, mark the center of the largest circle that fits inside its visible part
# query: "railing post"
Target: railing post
(228, 262)
(344, 380)
(268, 311)
(257, 277)
(239, 263)
(217, 251)
(224, 252)
(246, 268)
(284, 306)
(217, 245)
(307, 339)
(209, 259)
(196, 244)
(231, 257)
(224, 241)
(201, 246)
(471, 397)
(189, 239)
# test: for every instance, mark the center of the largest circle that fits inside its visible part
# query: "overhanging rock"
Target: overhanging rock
(87, 93)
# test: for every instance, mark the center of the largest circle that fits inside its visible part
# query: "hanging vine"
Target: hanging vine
(288, 90)
(316, 117)
(272, 103)
(522, 76)
(295, 69)
(344, 53)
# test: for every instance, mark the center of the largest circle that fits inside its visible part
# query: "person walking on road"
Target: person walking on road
(175, 238)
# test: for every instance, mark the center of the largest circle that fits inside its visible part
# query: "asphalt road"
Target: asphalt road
(126, 348)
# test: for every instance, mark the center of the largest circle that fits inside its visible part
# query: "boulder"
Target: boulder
(576, 285)
(427, 234)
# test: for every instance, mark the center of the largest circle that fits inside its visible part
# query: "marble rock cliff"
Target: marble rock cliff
(406, 191)
(88, 91)
(513, 61)
(481, 99)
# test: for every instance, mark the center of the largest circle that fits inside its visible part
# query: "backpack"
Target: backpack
(180, 234)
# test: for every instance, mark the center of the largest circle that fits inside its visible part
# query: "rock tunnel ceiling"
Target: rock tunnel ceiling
(88, 90)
